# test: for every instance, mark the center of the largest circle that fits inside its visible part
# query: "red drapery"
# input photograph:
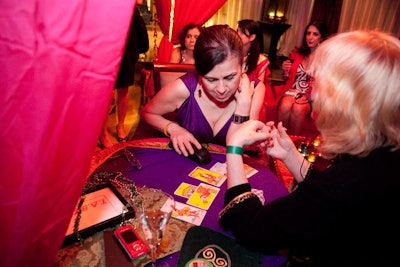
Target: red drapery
(59, 61)
(185, 11)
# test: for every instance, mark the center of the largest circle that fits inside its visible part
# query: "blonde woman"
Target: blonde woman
(343, 215)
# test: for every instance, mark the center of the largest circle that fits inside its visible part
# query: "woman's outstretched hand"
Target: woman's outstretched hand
(248, 133)
(280, 145)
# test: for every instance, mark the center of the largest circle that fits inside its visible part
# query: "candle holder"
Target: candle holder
(310, 150)
(274, 11)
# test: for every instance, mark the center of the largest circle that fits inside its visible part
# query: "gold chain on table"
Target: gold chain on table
(117, 179)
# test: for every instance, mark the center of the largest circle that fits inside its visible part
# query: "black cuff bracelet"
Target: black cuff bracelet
(240, 119)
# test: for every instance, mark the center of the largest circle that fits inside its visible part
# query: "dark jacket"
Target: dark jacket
(343, 216)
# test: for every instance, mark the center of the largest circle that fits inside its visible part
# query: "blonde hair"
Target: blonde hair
(356, 99)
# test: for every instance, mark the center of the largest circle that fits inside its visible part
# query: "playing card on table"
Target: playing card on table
(203, 196)
(185, 190)
(250, 171)
(220, 168)
(187, 213)
(208, 176)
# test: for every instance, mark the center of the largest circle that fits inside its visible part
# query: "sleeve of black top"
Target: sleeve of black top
(233, 192)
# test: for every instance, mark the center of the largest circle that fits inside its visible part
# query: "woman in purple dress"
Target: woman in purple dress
(211, 100)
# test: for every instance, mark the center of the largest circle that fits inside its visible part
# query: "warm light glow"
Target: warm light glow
(208, 23)
(279, 14)
(317, 141)
(271, 14)
(311, 158)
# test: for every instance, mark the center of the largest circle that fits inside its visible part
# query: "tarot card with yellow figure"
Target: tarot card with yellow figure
(220, 168)
(203, 196)
(187, 213)
(208, 176)
(185, 190)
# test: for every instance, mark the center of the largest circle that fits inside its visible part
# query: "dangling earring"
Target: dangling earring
(199, 91)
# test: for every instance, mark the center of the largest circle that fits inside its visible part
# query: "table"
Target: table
(163, 168)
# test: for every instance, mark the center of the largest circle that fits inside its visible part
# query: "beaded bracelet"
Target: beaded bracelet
(234, 150)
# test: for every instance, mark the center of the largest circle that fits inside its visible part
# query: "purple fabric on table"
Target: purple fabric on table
(166, 170)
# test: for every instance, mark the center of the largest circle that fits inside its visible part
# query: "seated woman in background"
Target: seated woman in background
(295, 104)
(187, 39)
(341, 216)
(208, 101)
(256, 64)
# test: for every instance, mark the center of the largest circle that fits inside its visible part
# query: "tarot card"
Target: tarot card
(250, 171)
(220, 168)
(203, 196)
(185, 190)
(208, 176)
(187, 213)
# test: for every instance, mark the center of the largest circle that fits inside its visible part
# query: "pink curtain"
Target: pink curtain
(185, 11)
(59, 60)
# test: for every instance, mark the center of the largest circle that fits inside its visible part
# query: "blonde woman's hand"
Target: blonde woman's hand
(280, 145)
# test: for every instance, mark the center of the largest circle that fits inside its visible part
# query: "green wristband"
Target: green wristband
(234, 150)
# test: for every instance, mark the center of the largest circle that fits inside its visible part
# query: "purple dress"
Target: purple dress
(190, 116)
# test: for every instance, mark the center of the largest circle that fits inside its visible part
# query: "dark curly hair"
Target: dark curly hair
(184, 31)
(322, 27)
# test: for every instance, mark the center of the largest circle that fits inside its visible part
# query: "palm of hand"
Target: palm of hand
(280, 146)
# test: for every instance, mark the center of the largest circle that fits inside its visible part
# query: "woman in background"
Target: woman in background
(254, 61)
(187, 39)
(295, 104)
(137, 42)
(256, 64)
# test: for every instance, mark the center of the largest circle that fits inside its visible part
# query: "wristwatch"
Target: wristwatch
(240, 119)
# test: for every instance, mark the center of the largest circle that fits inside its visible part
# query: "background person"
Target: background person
(137, 42)
(343, 215)
(294, 105)
(254, 61)
(187, 39)
(206, 102)
(256, 64)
